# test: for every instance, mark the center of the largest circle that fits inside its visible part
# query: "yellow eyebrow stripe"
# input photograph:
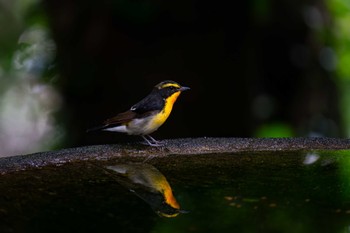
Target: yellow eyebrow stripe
(170, 85)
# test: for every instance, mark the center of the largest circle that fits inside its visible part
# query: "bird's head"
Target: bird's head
(169, 88)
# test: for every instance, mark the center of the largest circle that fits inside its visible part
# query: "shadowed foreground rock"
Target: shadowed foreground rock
(186, 146)
(228, 181)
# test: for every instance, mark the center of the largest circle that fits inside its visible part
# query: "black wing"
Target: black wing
(152, 102)
(147, 106)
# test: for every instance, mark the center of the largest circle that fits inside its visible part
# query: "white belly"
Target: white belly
(142, 126)
(137, 127)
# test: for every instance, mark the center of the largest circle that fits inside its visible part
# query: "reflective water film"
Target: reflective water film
(246, 192)
(149, 184)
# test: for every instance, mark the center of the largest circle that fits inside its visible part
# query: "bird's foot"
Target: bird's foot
(147, 143)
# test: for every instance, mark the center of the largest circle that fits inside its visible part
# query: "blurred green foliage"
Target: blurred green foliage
(29, 98)
(340, 14)
(275, 130)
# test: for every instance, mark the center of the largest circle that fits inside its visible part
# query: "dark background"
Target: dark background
(252, 65)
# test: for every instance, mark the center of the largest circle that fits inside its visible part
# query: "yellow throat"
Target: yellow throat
(163, 115)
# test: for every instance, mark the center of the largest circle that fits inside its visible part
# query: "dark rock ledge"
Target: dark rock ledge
(184, 146)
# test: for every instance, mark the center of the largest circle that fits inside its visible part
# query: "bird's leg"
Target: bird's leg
(150, 143)
(154, 140)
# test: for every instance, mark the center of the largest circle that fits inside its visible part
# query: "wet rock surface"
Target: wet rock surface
(237, 179)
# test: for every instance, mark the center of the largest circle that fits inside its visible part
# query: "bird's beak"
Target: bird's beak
(184, 88)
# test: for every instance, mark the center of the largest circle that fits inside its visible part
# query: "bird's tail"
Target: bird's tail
(96, 128)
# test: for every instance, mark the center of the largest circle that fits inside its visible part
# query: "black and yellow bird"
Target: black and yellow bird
(148, 115)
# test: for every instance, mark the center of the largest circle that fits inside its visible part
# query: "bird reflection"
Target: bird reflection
(149, 184)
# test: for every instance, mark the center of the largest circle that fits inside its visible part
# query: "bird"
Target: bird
(147, 115)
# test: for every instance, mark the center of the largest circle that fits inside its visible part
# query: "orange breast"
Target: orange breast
(163, 115)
